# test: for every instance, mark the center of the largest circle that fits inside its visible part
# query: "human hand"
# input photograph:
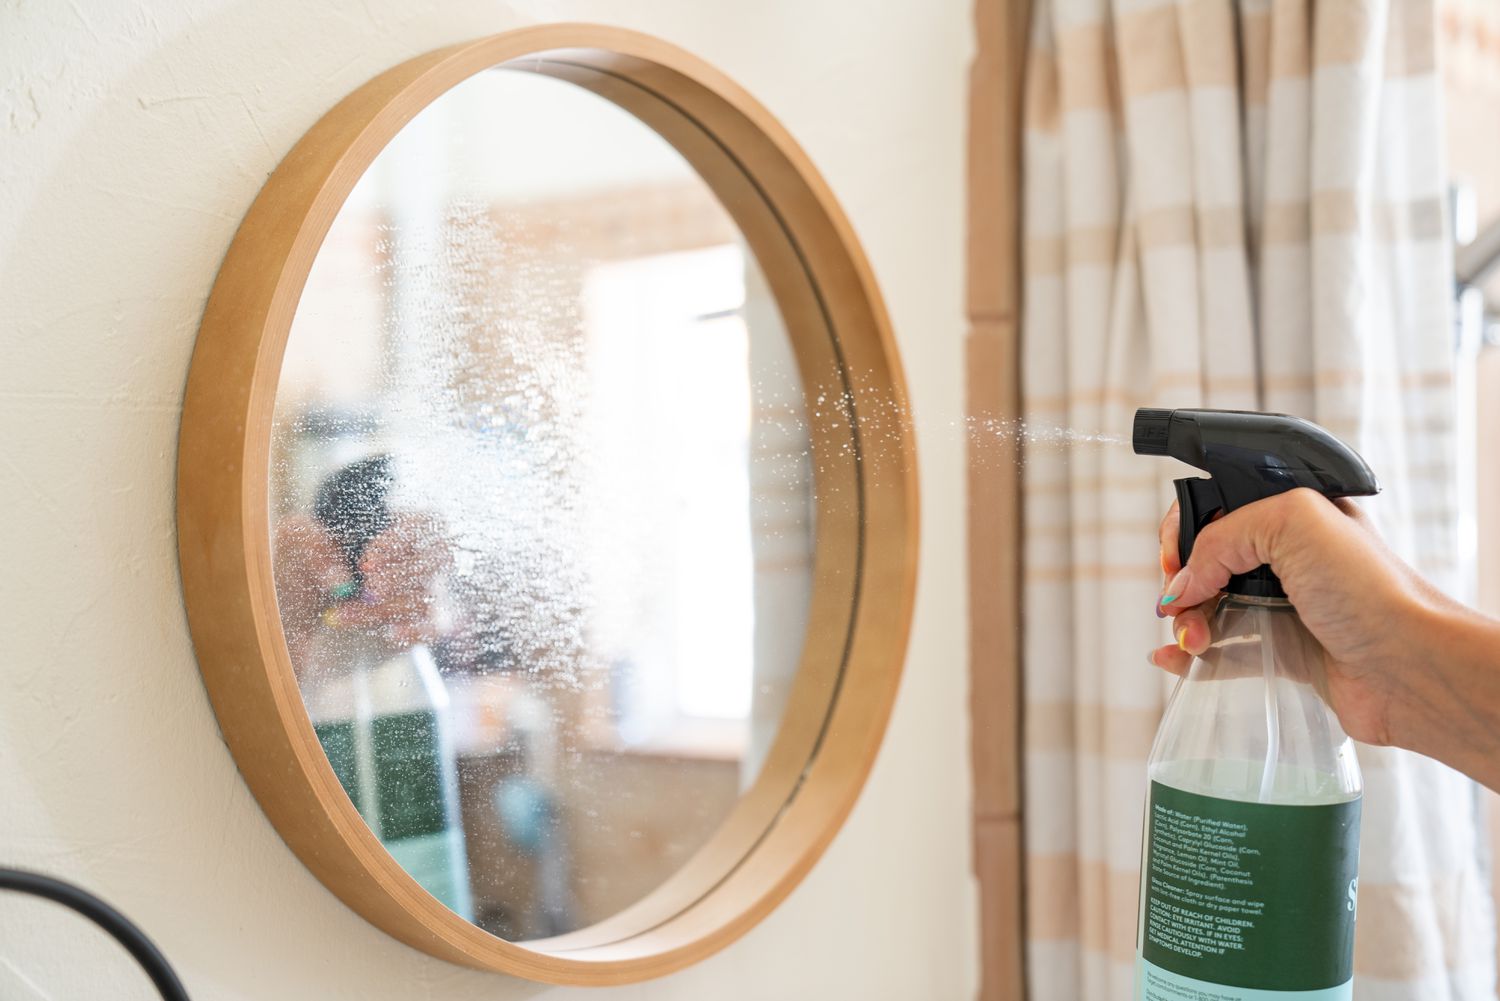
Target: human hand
(400, 567)
(307, 566)
(1367, 608)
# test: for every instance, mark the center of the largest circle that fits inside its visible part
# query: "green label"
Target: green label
(1259, 896)
(408, 774)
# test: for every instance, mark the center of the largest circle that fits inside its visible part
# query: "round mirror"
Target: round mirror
(547, 520)
(541, 505)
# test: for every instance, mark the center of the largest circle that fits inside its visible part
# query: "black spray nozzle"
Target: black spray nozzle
(1149, 433)
(1248, 456)
(351, 504)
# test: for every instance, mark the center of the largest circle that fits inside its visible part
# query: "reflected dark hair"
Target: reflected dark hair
(351, 504)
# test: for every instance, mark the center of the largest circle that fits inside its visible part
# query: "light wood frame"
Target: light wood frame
(994, 363)
(865, 551)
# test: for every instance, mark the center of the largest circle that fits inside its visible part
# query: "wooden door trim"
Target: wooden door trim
(994, 505)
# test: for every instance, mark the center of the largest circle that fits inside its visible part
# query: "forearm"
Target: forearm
(1448, 706)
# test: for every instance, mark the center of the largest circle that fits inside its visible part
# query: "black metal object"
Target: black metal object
(112, 921)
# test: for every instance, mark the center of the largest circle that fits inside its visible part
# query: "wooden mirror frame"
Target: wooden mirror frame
(866, 494)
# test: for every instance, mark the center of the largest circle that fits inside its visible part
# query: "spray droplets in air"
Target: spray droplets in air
(863, 422)
(1038, 434)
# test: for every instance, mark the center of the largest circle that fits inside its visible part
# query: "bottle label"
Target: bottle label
(1247, 901)
(408, 774)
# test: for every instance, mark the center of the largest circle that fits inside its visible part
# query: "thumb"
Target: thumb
(1236, 543)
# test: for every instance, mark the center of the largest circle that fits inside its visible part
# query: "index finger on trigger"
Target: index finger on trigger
(1170, 563)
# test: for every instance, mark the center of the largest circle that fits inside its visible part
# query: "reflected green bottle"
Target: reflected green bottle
(383, 718)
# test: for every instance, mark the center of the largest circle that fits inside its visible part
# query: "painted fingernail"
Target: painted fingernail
(1175, 588)
(1182, 639)
(1159, 613)
(1151, 659)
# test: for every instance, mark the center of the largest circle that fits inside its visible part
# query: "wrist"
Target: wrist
(1445, 702)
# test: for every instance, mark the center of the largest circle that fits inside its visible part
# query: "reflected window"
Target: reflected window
(669, 355)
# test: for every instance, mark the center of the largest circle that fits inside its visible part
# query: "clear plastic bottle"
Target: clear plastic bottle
(1250, 857)
(383, 717)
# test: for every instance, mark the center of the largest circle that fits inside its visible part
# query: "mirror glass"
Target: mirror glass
(542, 505)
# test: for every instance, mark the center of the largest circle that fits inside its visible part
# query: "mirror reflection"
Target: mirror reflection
(542, 505)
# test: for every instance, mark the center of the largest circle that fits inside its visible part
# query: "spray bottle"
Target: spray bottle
(1249, 873)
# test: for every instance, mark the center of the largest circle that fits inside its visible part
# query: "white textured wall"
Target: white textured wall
(132, 138)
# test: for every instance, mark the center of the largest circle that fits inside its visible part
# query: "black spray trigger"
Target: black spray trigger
(1198, 503)
(1247, 457)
